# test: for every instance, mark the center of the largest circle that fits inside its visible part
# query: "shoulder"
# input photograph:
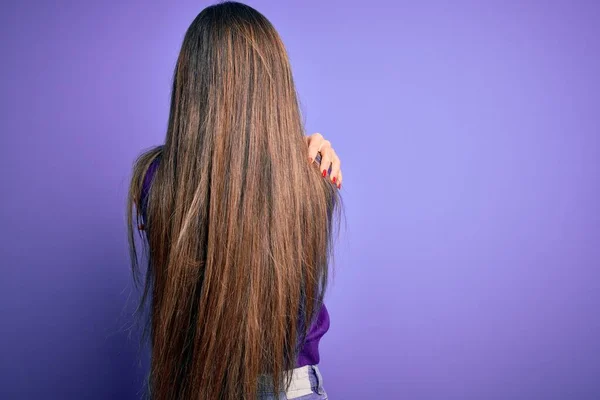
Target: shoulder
(150, 172)
(147, 165)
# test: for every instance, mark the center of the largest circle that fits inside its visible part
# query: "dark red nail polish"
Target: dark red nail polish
(340, 186)
(334, 179)
(324, 173)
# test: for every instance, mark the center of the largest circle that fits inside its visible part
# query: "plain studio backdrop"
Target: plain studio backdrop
(469, 138)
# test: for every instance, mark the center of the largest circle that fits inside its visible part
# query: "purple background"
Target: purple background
(469, 134)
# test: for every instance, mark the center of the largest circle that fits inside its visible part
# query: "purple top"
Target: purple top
(309, 354)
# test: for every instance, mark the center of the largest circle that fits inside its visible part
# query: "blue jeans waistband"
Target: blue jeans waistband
(306, 384)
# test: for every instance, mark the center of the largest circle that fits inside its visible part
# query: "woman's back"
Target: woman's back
(237, 221)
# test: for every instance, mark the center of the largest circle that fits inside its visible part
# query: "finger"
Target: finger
(326, 158)
(339, 180)
(334, 175)
(315, 141)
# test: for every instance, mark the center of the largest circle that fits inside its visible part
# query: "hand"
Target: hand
(329, 159)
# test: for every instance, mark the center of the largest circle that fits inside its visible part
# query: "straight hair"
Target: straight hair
(238, 222)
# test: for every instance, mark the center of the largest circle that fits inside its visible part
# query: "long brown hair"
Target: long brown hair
(238, 221)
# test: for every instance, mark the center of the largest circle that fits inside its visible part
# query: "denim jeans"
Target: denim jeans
(307, 384)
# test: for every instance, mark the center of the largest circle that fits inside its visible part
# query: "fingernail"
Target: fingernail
(340, 186)
(324, 173)
(334, 179)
